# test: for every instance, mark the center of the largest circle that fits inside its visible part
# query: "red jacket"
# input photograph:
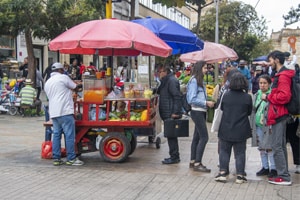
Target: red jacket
(280, 95)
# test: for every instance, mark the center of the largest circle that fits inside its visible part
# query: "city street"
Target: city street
(24, 175)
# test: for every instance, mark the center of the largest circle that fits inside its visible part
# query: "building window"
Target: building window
(7, 48)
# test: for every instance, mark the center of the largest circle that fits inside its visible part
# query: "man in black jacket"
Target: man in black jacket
(24, 68)
(170, 106)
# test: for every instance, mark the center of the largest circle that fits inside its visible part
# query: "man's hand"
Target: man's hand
(264, 97)
(175, 116)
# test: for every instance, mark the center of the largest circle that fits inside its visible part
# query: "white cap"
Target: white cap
(258, 68)
(56, 66)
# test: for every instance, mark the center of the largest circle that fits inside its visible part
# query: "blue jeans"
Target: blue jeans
(64, 124)
(200, 137)
(265, 155)
(239, 149)
(48, 129)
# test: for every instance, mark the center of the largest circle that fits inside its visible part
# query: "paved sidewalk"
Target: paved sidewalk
(24, 175)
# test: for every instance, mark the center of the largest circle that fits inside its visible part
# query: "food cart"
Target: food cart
(97, 118)
(117, 135)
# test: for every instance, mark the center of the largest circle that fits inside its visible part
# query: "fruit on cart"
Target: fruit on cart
(144, 115)
(148, 93)
(132, 118)
(122, 114)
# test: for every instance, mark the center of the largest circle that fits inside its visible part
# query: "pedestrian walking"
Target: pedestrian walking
(277, 115)
(58, 89)
(235, 129)
(170, 107)
(197, 98)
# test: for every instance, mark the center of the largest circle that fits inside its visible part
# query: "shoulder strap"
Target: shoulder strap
(219, 106)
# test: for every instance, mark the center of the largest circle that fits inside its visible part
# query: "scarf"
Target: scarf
(260, 105)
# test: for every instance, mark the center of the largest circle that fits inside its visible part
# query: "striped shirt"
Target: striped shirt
(28, 94)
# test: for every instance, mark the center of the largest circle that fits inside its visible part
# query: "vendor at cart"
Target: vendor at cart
(59, 89)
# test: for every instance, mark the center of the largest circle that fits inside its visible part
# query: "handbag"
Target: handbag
(176, 128)
(217, 117)
(186, 106)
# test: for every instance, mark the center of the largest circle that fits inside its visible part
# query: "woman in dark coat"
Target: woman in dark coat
(234, 128)
(170, 106)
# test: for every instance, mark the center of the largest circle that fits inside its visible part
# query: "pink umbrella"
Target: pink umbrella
(211, 53)
(110, 37)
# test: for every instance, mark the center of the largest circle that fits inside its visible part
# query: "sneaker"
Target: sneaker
(279, 181)
(240, 179)
(263, 172)
(297, 169)
(201, 168)
(272, 174)
(75, 162)
(58, 162)
(221, 177)
(192, 164)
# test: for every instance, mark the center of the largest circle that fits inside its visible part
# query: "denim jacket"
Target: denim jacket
(196, 96)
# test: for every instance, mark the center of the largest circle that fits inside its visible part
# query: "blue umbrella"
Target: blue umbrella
(179, 38)
(261, 58)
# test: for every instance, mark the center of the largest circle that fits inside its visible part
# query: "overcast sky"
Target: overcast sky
(273, 10)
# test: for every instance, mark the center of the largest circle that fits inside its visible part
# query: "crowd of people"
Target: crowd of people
(253, 101)
(253, 105)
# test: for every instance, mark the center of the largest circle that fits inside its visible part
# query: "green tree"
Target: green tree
(293, 16)
(44, 19)
(239, 28)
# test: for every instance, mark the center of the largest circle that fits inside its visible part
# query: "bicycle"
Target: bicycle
(7, 103)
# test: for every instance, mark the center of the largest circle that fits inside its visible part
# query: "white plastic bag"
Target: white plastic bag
(98, 140)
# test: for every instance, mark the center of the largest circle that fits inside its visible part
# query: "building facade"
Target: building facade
(280, 40)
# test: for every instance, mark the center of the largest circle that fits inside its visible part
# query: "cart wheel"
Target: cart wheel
(13, 110)
(158, 142)
(114, 147)
(133, 144)
(150, 139)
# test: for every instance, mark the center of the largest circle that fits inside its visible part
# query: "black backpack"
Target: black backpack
(294, 105)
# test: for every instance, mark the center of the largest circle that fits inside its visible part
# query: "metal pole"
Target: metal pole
(217, 39)
(217, 22)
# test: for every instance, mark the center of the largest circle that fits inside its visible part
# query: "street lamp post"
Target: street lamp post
(217, 38)
(217, 22)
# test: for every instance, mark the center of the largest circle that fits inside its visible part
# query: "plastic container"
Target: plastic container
(94, 90)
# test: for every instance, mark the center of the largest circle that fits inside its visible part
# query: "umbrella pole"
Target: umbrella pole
(97, 59)
(149, 65)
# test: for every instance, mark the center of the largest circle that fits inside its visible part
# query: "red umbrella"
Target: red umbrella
(212, 52)
(110, 37)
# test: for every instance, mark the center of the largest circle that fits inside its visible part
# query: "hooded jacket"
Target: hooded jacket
(280, 95)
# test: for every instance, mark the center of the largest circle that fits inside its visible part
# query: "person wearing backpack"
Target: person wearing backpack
(277, 115)
(291, 130)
